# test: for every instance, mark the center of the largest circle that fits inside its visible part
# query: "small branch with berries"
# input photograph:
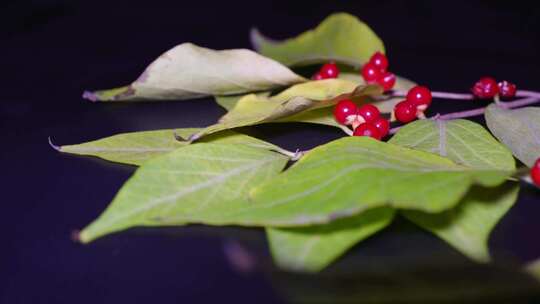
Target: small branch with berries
(366, 120)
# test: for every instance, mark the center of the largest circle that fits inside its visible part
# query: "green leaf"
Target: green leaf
(322, 116)
(138, 147)
(190, 71)
(340, 37)
(253, 109)
(468, 226)
(463, 141)
(353, 174)
(518, 129)
(310, 249)
(229, 102)
(187, 183)
(325, 115)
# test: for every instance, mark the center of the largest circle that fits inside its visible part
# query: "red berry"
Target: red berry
(535, 173)
(369, 112)
(420, 96)
(371, 73)
(380, 61)
(329, 70)
(405, 111)
(485, 88)
(387, 80)
(383, 125)
(317, 76)
(344, 108)
(507, 89)
(367, 129)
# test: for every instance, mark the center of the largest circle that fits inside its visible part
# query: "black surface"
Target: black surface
(52, 50)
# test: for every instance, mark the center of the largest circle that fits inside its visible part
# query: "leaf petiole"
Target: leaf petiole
(294, 156)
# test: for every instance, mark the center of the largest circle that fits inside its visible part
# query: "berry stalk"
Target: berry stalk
(463, 96)
(443, 95)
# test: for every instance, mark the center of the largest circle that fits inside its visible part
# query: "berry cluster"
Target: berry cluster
(376, 72)
(535, 173)
(415, 104)
(366, 120)
(328, 70)
(487, 87)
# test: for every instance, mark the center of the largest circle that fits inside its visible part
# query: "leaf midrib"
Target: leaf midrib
(197, 187)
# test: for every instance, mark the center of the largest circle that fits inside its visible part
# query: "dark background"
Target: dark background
(51, 50)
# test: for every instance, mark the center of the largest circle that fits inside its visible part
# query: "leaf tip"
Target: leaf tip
(84, 236)
(75, 236)
(257, 38)
(254, 38)
(57, 148)
(88, 95)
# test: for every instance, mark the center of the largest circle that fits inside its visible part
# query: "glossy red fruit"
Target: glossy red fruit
(383, 125)
(387, 80)
(344, 108)
(380, 61)
(371, 73)
(507, 89)
(485, 88)
(317, 76)
(369, 112)
(420, 96)
(329, 70)
(367, 129)
(535, 173)
(405, 111)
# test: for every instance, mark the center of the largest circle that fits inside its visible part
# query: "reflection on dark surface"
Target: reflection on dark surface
(401, 265)
(383, 279)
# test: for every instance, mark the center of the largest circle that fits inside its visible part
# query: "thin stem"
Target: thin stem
(346, 130)
(525, 93)
(444, 95)
(464, 96)
(479, 111)
(294, 156)
(520, 102)
(462, 114)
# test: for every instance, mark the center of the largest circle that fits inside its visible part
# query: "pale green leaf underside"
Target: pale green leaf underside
(463, 141)
(468, 226)
(325, 115)
(135, 148)
(518, 129)
(255, 109)
(310, 249)
(189, 71)
(340, 37)
(187, 183)
(354, 174)
(229, 102)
